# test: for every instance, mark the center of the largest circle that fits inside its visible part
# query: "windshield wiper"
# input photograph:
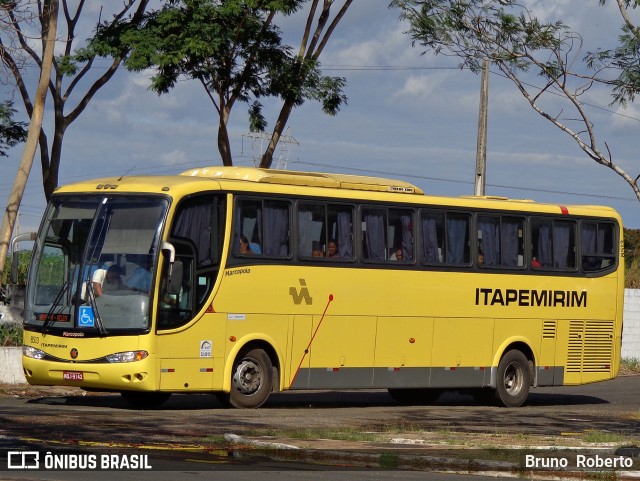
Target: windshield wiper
(98, 320)
(49, 319)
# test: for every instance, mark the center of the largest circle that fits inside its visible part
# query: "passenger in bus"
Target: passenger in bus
(397, 255)
(535, 263)
(244, 245)
(140, 280)
(316, 250)
(107, 280)
(332, 248)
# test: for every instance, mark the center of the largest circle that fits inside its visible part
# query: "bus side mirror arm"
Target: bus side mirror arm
(27, 236)
(174, 273)
(168, 246)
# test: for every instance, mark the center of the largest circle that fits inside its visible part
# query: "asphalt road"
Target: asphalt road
(61, 420)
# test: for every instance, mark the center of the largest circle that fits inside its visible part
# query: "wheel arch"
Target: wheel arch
(522, 345)
(245, 345)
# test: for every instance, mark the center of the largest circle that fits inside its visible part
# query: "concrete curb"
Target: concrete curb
(386, 457)
(11, 366)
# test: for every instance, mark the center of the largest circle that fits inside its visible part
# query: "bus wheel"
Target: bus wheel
(514, 379)
(145, 400)
(252, 380)
(415, 396)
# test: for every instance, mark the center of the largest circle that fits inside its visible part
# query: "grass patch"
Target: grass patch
(602, 437)
(10, 335)
(389, 460)
(630, 364)
(345, 434)
(336, 434)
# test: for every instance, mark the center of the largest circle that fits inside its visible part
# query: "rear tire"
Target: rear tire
(251, 379)
(514, 379)
(145, 400)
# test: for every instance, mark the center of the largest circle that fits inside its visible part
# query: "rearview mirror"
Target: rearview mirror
(174, 279)
(15, 255)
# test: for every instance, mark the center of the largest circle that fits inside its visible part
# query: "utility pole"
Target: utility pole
(481, 149)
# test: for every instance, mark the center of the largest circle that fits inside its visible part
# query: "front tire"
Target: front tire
(251, 380)
(514, 379)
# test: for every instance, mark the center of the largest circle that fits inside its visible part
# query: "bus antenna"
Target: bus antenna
(123, 175)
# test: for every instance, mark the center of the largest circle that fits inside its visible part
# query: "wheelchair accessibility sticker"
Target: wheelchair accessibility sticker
(86, 317)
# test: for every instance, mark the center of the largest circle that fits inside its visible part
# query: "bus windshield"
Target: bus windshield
(93, 264)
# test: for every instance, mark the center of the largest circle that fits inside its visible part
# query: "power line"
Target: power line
(466, 182)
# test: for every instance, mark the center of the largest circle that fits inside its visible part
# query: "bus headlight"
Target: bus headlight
(33, 353)
(129, 356)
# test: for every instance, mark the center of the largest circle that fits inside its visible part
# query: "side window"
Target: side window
(553, 244)
(325, 231)
(387, 234)
(200, 220)
(598, 246)
(500, 241)
(400, 235)
(374, 235)
(262, 228)
(196, 234)
(445, 238)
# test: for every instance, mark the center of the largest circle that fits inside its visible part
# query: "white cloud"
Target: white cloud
(418, 87)
(174, 157)
(626, 119)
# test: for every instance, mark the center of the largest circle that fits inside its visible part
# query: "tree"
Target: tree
(508, 35)
(20, 22)
(235, 51)
(49, 29)
(11, 132)
(72, 69)
(302, 79)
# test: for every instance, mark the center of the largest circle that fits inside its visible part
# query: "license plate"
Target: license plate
(72, 376)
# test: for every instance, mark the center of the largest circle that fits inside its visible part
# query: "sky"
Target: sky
(409, 116)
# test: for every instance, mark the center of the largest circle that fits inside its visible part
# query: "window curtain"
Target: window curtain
(305, 241)
(490, 242)
(590, 242)
(602, 234)
(275, 236)
(544, 245)
(407, 236)
(374, 235)
(235, 242)
(510, 241)
(561, 237)
(259, 229)
(589, 238)
(345, 245)
(430, 240)
(456, 240)
(194, 223)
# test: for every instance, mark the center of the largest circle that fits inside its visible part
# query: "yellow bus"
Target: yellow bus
(242, 281)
